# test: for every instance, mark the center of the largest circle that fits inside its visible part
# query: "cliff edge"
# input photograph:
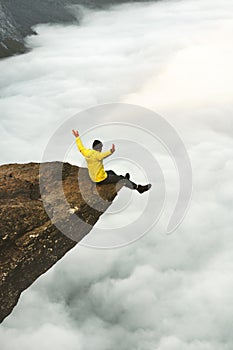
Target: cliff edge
(30, 242)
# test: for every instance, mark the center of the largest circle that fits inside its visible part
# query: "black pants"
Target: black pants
(113, 178)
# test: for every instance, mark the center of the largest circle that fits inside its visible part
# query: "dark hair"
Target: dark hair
(97, 145)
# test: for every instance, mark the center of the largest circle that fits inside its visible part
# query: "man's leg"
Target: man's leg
(113, 178)
(110, 172)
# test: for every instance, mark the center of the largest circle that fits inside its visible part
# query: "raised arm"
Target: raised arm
(106, 154)
(85, 151)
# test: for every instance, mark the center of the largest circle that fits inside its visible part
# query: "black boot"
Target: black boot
(142, 189)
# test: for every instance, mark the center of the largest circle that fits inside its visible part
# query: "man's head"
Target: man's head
(97, 145)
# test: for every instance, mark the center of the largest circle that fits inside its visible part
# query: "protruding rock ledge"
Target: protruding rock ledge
(30, 242)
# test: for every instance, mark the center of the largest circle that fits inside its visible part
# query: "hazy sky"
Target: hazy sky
(163, 292)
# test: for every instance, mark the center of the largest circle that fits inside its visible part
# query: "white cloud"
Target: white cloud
(162, 292)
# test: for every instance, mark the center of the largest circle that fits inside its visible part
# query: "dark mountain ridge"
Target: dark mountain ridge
(18, 16)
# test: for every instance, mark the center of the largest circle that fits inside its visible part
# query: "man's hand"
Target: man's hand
(75, 133)
(113, 148)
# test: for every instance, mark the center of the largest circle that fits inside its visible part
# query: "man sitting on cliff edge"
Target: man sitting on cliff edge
(94, 158)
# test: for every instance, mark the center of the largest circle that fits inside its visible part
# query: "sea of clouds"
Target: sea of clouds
(163, 292)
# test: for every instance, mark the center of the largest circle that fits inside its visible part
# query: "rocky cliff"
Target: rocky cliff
(18, 16)
(11, 39)
(32, 239)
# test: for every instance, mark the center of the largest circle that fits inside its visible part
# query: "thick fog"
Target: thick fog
(163, 292)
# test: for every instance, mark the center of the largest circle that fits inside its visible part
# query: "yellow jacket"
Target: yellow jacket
(94, 161)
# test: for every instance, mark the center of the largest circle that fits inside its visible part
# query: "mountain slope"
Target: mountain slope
(18, 16)
(11, 40)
